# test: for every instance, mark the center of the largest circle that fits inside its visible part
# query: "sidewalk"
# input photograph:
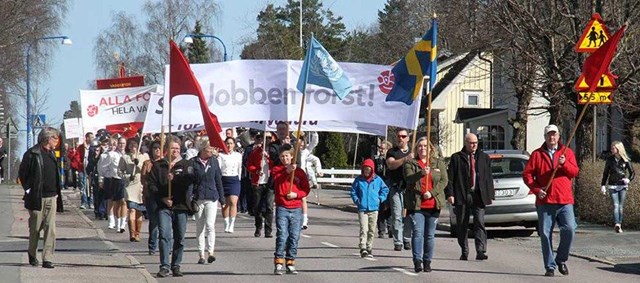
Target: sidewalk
(592, 242)
(82, 253)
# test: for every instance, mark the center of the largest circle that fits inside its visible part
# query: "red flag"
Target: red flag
(182, 81)
(128, 130)
(598, 62)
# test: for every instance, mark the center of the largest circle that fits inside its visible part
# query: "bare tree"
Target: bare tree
(143, 47)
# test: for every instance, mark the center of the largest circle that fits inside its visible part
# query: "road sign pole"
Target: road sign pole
(8, 159)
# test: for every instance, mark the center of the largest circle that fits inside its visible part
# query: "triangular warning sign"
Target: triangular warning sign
(593, 36)
(606, 82)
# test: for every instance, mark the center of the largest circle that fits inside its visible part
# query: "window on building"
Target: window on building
(491, 137)
(471, 98)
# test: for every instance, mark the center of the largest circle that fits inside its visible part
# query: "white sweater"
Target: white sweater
(230, 164)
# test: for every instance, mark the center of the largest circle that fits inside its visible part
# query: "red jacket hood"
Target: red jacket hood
(369, 163)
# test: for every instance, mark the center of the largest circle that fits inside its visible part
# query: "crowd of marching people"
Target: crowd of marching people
(400, 192)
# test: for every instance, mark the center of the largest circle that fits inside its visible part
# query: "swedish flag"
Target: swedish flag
(420, 61)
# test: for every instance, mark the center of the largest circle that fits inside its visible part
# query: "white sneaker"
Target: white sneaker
(279, 270)
(230, 230)
(617, 228)
(291, 269)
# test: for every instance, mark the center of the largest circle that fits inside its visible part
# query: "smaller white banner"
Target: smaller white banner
(73, 128)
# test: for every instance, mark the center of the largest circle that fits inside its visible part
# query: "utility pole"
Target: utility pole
(598, 9)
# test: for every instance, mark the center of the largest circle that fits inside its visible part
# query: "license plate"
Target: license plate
(506, 192)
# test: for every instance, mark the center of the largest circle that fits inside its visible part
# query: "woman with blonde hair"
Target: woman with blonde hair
(618, 172)
(426, 178)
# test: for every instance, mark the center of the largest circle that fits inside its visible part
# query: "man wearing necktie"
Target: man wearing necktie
(470, 189)
(555, 199)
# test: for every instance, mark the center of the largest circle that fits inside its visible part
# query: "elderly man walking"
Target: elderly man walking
(555, 203)
(470, 190)
(39, 175)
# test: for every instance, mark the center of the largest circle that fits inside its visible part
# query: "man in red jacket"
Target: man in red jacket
(554, 204)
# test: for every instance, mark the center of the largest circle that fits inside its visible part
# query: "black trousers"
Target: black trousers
(472, 206)
(263, 198)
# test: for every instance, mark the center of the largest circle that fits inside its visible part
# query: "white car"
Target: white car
(514, 204)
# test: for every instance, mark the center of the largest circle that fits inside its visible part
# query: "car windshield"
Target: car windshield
(507, 167)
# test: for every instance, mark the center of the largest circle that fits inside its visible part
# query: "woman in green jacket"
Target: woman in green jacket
(424, 197)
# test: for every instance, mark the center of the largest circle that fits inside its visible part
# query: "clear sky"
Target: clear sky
(72, 67)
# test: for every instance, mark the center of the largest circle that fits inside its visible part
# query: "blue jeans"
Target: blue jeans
(618, 204)
(548, 215)
(152, 215)
(86, 197)
(424, 224)
(288, 225)
(172, 225)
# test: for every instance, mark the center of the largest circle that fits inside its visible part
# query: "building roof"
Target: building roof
(466, 114)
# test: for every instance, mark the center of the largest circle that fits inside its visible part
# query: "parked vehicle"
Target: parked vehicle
(514, 204)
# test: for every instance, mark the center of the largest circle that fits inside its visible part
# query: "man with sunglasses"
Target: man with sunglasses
(396, 157)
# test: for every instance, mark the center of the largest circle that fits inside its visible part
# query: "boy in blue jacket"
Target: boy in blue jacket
(367, 192)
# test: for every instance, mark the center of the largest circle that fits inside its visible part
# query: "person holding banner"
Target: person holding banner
(288, 198)
(231, 166)
(396, 157)
(172, 205)
(426, 178)
(555, 197)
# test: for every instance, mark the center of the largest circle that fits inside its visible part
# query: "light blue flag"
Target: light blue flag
(320, 69)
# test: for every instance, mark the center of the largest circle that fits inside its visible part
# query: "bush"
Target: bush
(594, 207)
(331, 151)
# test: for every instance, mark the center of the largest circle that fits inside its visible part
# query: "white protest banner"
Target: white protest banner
(264, 90)
(182, 123)
(114, 106)
(72, 128)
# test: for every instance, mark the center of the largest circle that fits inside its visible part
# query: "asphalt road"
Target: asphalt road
(328, 253)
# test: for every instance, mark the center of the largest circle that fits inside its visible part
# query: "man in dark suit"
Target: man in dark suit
(470, 189)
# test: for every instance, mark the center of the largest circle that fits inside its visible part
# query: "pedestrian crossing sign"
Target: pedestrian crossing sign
(594, 35)
(38, 121)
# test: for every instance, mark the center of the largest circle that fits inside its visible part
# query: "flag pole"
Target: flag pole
(429, 97)
(297, 145)
(169, 151)
(573, 132)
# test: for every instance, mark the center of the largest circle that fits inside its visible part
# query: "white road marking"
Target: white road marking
(405, 271)
(329, 245)
(305, 236)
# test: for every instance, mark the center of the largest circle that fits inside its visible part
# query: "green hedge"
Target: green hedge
(592, 206)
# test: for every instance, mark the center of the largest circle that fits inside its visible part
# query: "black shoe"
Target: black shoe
(482, 256)
(33, 260)
(176, 271)
(164, 272)
(426, 266)
(211, 259)
(257, 233)
(562, 267)
(201, 261)
(417, 266)
(407, 245)
(464, 257)
(549, 273)
(268, 235)
(397, 247)
(363, 253)
(152, 252)
(381, 235)
(47, 264)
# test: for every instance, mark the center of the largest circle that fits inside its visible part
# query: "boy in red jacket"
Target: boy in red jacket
(288, 199)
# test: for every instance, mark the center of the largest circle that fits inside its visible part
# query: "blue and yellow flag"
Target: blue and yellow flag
(420, 61)
(320, 69)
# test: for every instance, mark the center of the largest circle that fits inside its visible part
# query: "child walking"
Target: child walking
(368, 191)
(288, 200)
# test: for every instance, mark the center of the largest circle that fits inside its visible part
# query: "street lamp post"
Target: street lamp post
(65, 41)
(189, 39)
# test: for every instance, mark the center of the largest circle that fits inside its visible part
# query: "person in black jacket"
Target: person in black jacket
(618, 172)
(470, 189)
(173, 205)
(39, 174)
(208, 192)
